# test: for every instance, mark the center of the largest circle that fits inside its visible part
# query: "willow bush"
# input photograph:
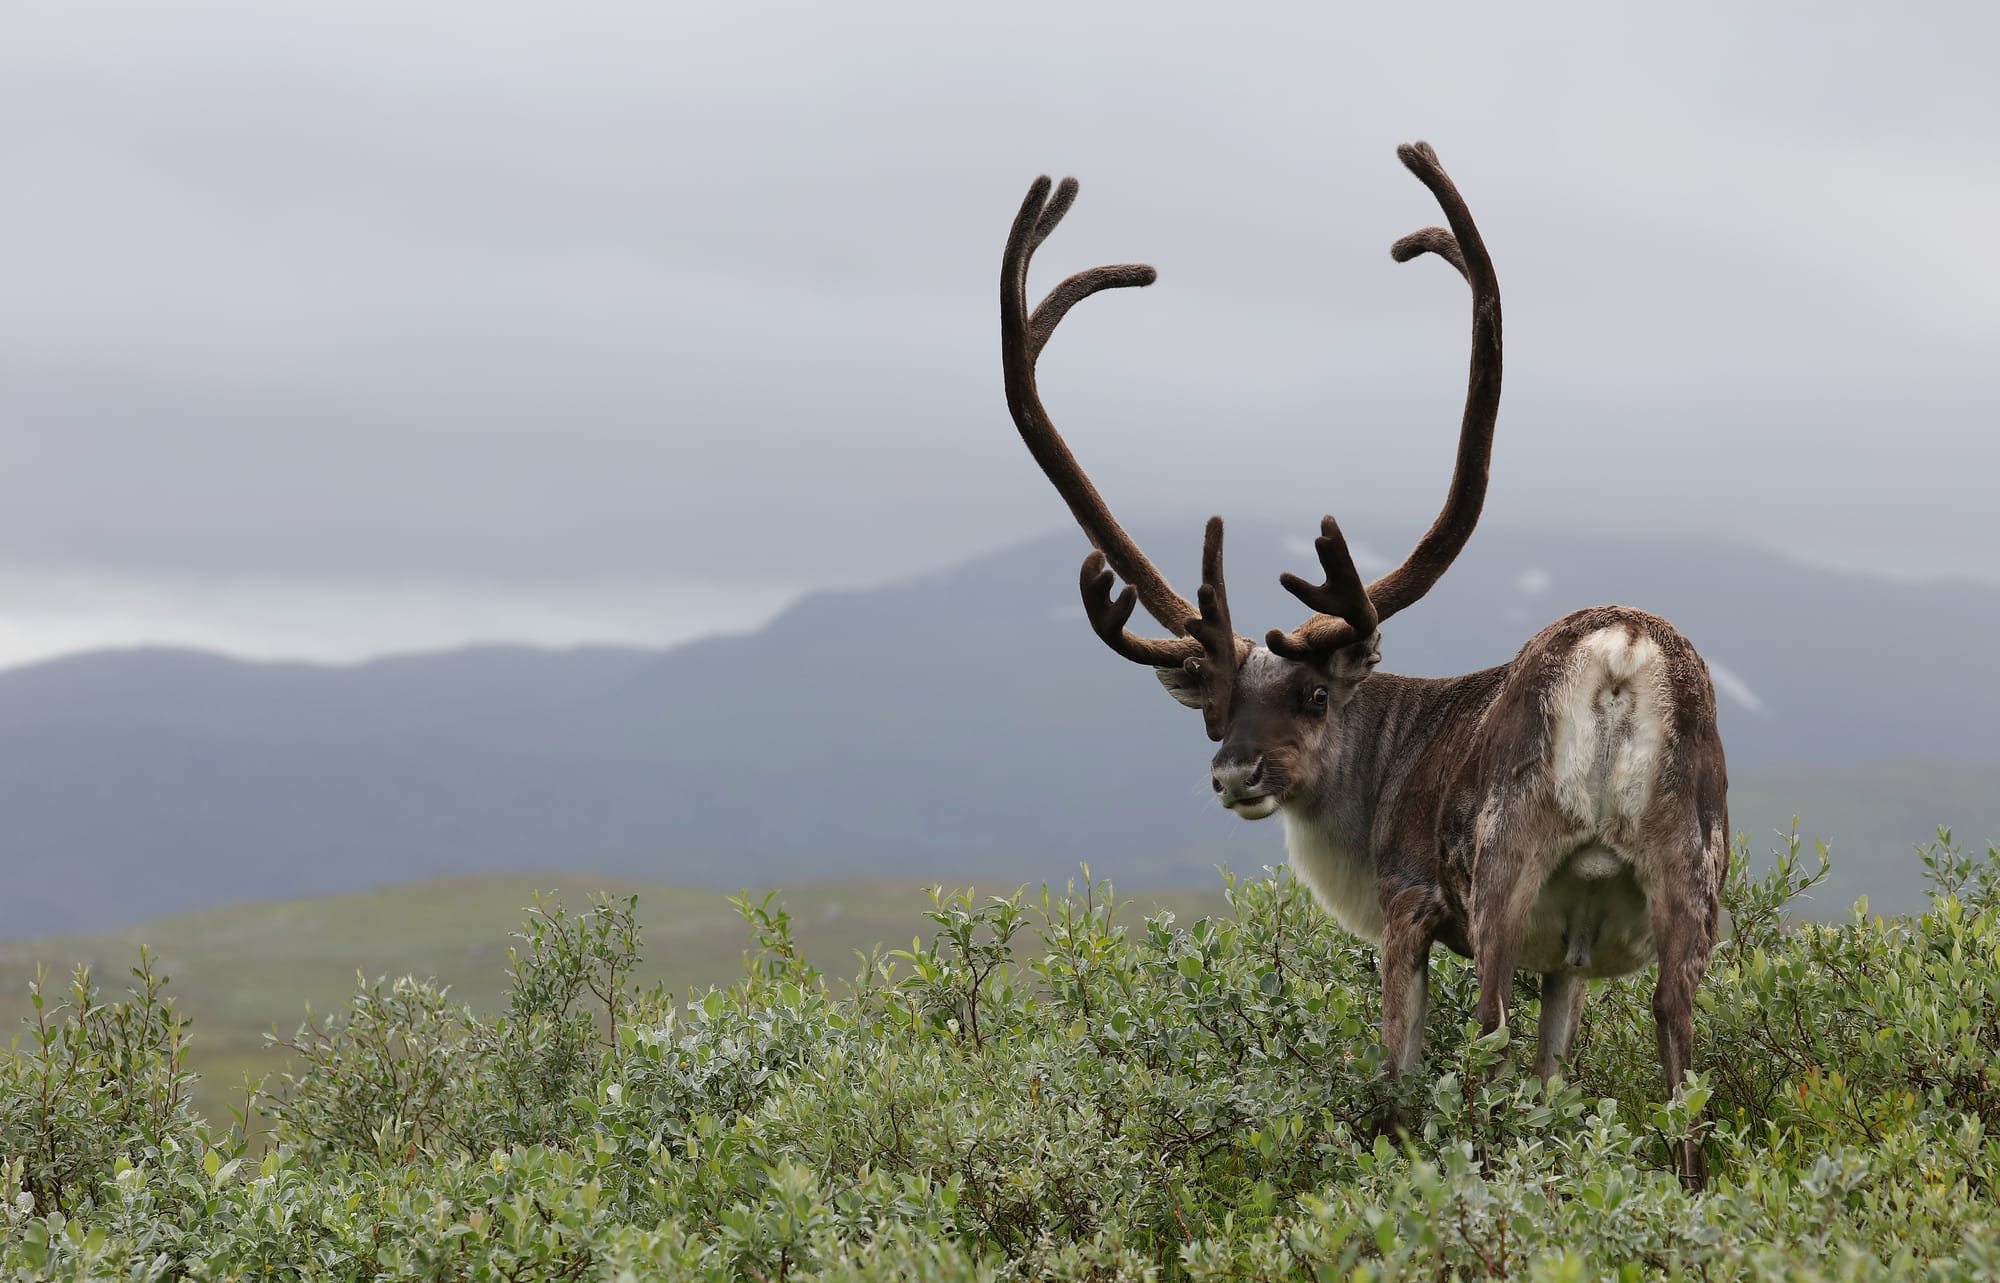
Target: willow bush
(1045, 1089)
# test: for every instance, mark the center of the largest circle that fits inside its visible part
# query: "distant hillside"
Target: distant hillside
(967, 719)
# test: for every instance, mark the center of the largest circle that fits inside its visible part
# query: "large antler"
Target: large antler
(1204, 642)
(1344, 611)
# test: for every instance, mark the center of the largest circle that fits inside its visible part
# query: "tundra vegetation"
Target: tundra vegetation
(1043, 1089)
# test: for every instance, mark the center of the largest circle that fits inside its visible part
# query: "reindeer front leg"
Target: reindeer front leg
(1406, 994)
(1410, 923)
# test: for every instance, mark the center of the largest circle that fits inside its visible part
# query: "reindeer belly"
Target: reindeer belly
(1590, 918)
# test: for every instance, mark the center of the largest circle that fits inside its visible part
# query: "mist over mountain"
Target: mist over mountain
(964, 721)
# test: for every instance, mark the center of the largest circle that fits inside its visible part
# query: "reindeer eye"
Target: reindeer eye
(1318, 697)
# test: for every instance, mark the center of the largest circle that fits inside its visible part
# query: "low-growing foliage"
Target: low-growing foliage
(1043, 1089)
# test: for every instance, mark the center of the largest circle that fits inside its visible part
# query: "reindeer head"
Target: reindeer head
(1275, 709)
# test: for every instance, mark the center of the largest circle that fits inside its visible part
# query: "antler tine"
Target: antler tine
(1075, 289)
(1052, 209)
(1108, 617)
(1222, 651)
(1023, 335)
(1342, 612)
(1463, 248)
(1431, 240)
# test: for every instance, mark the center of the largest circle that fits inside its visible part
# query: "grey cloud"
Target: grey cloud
(707, 291)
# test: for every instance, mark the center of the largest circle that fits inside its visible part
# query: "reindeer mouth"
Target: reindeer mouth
(1260, 807)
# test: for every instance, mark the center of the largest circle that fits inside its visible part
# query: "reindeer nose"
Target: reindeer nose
(1234, 781)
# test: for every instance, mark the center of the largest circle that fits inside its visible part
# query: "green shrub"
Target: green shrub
(1046, 1090)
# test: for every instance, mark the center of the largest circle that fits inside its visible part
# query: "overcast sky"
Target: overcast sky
(365, 327)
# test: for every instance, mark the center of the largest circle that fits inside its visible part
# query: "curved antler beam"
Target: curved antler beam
(1344, 611)
(1466, 251)
(1023, 335)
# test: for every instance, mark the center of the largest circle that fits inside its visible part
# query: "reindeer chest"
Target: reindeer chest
(1340, 874)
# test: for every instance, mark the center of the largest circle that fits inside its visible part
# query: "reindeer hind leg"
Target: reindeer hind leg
(1683, 902)
(1563, 994)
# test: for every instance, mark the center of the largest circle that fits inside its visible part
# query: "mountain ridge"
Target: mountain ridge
(964, 717)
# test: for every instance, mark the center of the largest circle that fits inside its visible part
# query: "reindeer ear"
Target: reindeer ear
(1185, 687)
(1353, 662)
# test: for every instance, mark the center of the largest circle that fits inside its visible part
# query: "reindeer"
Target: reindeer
(1563, 812)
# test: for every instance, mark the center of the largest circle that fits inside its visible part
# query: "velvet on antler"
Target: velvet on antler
(1203, 643)
(1022, 338)
(1223, 652)
(1344, 612)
